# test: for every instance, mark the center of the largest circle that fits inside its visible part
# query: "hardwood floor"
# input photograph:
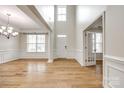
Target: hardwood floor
(40, 74)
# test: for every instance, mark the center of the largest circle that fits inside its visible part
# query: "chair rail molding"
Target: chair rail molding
(118, 59)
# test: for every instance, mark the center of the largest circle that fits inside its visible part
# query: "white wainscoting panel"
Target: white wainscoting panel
(34, 55)
(8, 55)
(1, 57)
(79, 57)
(113, 72)
(70, 53)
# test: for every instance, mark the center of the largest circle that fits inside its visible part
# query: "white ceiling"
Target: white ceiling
(87, 14)
(18, 19)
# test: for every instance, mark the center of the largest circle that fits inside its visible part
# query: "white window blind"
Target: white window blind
(36, 43)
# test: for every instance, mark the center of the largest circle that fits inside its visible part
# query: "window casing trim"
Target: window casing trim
(36, 44)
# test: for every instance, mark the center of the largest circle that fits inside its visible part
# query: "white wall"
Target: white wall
(23, 49)
(47, 12)
(114, 31)
(66, 28)
(9, 48)
(114, 47)
(85, 16)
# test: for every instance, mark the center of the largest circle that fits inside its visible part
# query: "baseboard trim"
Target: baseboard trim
(50, 61)
(34, 58)
(6, 61)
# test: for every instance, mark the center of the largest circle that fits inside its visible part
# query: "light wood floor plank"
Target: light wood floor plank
(40, 74)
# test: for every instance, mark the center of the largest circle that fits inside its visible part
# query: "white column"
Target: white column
(50, 47)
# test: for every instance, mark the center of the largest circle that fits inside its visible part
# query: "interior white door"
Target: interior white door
(90, 48)
(62, 46)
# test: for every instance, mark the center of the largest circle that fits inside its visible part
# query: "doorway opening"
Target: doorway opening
(93, 43)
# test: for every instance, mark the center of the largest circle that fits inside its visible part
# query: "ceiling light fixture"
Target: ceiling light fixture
(7, 30)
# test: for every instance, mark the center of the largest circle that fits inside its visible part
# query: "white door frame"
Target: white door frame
(103, 38)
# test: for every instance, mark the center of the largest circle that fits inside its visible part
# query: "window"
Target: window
(61, 13)
(36, 43)
(61, 35)
(98, 42)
